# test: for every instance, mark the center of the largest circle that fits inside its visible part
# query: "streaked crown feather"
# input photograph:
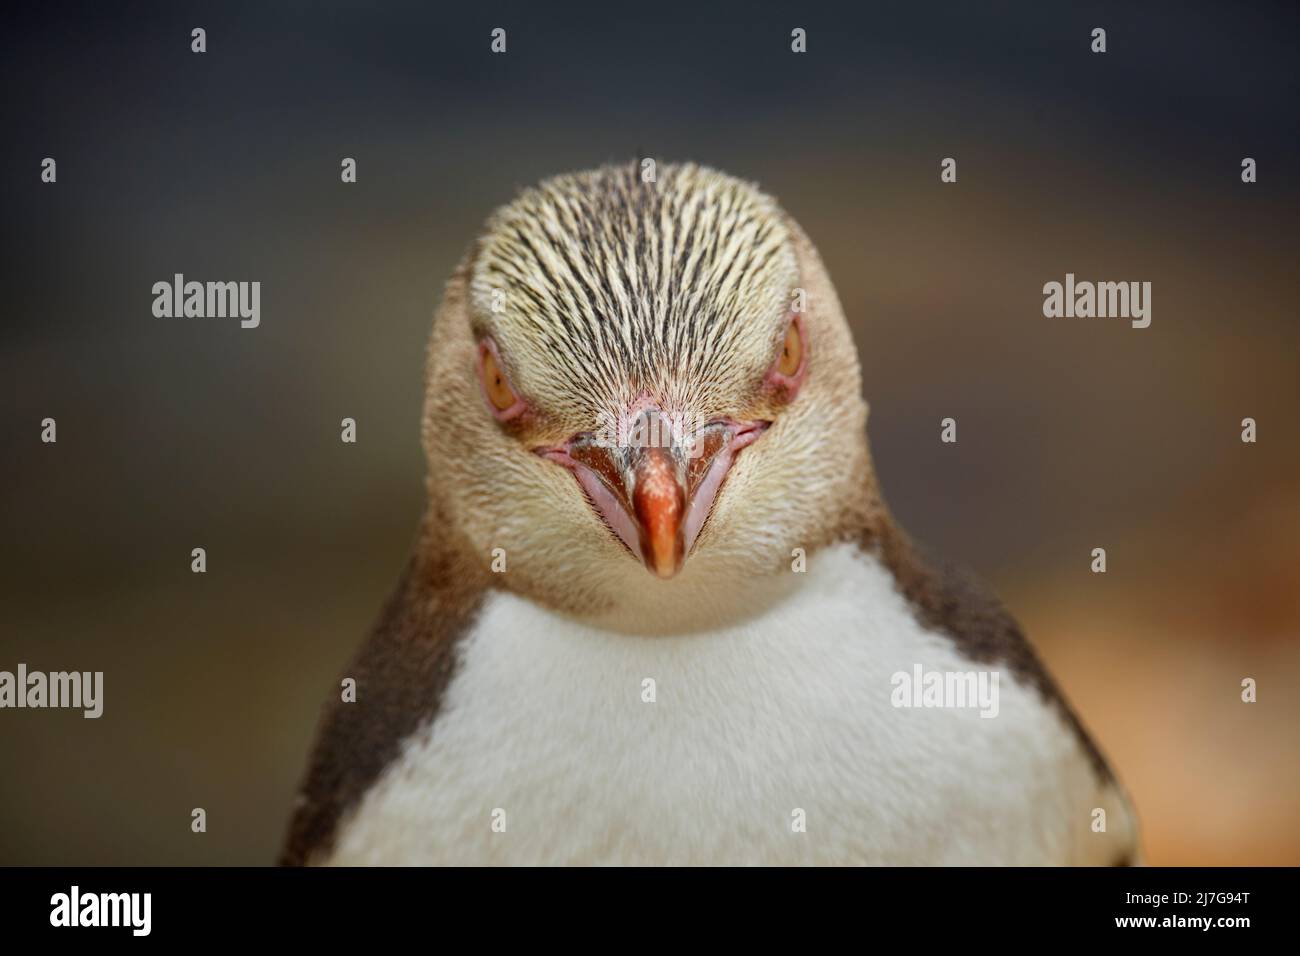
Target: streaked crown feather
(600, 286)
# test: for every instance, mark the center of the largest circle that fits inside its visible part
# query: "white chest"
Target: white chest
(774, 741)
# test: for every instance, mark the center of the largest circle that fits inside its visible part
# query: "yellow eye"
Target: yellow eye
(498, 389)
(791, 351)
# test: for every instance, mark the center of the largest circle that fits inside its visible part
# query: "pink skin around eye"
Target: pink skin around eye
(789, 384)
(502, 415)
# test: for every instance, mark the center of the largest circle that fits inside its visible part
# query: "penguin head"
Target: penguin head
(639, 389)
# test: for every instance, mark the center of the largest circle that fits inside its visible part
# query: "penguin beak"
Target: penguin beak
(656, 478)
(656, 491)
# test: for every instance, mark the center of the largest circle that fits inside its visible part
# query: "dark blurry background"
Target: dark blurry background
(1073, 433)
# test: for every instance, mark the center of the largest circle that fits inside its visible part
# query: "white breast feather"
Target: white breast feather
(790, 711)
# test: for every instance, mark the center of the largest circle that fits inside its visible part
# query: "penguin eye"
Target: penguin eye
(791, 351)
(789, 361)
(501, 397)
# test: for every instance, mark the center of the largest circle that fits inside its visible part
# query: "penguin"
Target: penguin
(657, 611)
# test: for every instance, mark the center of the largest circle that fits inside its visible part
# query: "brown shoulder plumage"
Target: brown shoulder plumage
(954, 602)
(401, 672)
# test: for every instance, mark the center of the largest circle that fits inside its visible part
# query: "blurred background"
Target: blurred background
(1073, 433)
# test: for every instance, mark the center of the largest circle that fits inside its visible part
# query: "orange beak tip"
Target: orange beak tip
(664, 560)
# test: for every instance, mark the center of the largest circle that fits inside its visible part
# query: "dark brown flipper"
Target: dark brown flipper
(401, 672)
(956, 603)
